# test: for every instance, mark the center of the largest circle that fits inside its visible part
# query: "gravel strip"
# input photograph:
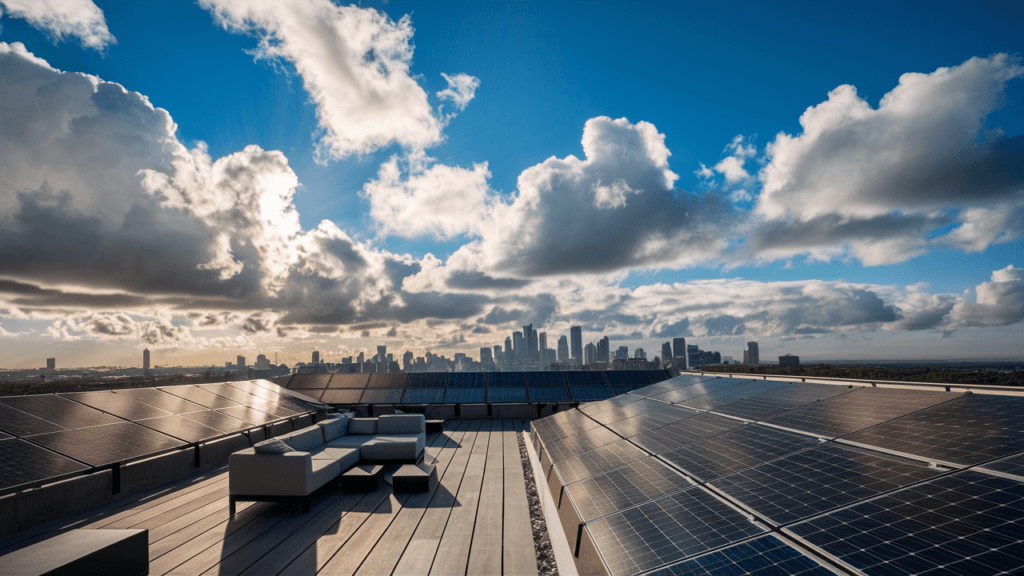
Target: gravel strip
(546, 565)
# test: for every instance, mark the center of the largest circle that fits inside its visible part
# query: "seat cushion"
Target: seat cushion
(349, 441)
(394, 447)
(272, 446)
(346, 457)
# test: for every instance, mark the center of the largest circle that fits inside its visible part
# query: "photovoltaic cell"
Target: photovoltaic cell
(778, 401)
(597, 461)
(349, 381)
(680, 395)
(230, 392)
(423, 396)
(313, 395)
(467, 380)
(22, 462)
(632, 409)
(678, 434)
(589, 393)
(652, 420)
(505, 380)
(310, 381)
(61, 411)
(100, 445)
(181, 428)
(535, 379)
(656, 376)
(594, 408)
(506, 394)
(21, 423)
(389, 380)
(576, 378)
(427, 380)
(342, 395)
(465, 395)
(631, 379)
(718, 398)
(579, 443)
(1013, 465)
(764, 556)
(199, 396)
(116, 404)
(257, 391)
(382, 396)
(736, 450)
(966, 523)
(555, 429)
(160, 399)
(857, 410)
(667, 530)
(966, 431)
(818, 480)
(625, 487)
(251, 415)
(681, 381)
(218, 421)
(549, 394)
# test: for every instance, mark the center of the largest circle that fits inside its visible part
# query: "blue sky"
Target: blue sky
(308, 200)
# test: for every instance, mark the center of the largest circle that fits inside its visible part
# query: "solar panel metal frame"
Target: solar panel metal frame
(766, 555)
(236, 395)
(218, 421)
(182, 428)
(249, 414)
(382, 396)
(589, 393)
(549, 394)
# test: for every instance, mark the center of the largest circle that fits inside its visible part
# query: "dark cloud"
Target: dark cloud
(724, 325)
(472, 280)
(678, 329)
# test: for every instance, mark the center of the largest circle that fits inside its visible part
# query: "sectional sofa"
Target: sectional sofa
(294, 467)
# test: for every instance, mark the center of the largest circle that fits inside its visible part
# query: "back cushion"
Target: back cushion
(401, 424)
(362, 426)
(305, 439)
(334, 427)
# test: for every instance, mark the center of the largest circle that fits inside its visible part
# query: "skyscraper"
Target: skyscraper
(752, 347)
(563, 349)
(530, 339)
(679, 353)
(576, 334)
(316, 357)
(666, 353)
(542, 340)
(508, 355)
(519, 354)
(145, 359)
(382, 353)
(590, 354)
(602, 350)
(240, 362)
(485, 355)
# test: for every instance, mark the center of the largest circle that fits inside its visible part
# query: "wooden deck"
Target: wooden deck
(474, 520)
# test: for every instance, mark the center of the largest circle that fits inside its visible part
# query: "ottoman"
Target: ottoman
(364, 478)
(412, 478)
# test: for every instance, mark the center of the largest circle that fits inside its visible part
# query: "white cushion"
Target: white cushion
(362, 426)
(334, 427)
(272, 446)
(305, 440)
(401, 424)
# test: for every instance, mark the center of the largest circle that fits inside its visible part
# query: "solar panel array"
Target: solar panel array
(49, 436)
(472, 387)
(718, 475)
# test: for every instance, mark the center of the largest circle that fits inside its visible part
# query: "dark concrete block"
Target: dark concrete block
(94, 552)
(365, 478)
(412, 478)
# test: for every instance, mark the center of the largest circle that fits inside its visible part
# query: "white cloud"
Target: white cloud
(81, 19)
(354, 63)
(461, 89)
(982, 227)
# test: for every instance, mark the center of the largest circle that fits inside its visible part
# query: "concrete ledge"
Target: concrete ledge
(381, 409)
(439, 412)
(513, 411)
(214, 454)
(273, 431)
(304, 421)
(23, 510)
(122, 552)
(158, 470)
(473, 411)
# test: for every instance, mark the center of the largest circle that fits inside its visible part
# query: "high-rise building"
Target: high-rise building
(316, 357)
(530, 339)
(262, 363)
(508, 355)
(498, 357)
(639, 353)
(485, 355)
(240, 362)
(590, 354)
(602, 350)
(360, 358)
(563, 349)
(789, 360)
(519, 354)
(542, 340)
(407, 360)
(754, 358)
(51, 363)
(679, 352)
(622, 352)
(382, 353)
(576, 336)
(666, 353)
(145, 359)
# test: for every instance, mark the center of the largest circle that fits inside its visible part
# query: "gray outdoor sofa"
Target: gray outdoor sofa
(294, 467)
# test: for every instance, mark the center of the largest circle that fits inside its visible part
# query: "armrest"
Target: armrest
(269, 474)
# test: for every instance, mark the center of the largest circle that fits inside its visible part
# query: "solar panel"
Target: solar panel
(594, 408)
(61, 411)
(423, 396)
(966, 523)
(310, 381)
(277, 410)
(678, 434)
(857, 410)
(652, 420)
(718, 398)
(624, 487)
(389, 380)
(631, 379)
(680, 395)
(667, 530)
(966, 431)
(576, 378)
(427, 380)
(764, 556)
(181, 428)
(506, 394)
(342, 395)
(557, 430)
(230, 392)
(820, 479)
(589, 393)
(597, 461)
(22, 462)
(349, 381)
(656, 376)
(778, 401)
(464, 395)
(549, 394)
(248, 414)
(467, 380)
(382, 396)
(632, 409)
(535, 379)
(160, 399)
(100, 445)
(116, 404)
(681, 381)
(199, 396)
(736, 450)
(218, 421)
(1013, 465)
(309, 394)
(578, 443)
(24, 424)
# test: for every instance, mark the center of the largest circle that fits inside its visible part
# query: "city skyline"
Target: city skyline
(214, 180)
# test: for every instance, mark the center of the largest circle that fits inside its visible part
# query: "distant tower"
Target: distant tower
(145, 359)
(240, 362)
(576, 341)
(382, 353)
(543, 339)
(752, 348)
(51, 363)
(590, 353)
(563, 349)
(679, 353)
(485, 355)
(666, 353)
(602, 350)
(360, 358)
(316, 357)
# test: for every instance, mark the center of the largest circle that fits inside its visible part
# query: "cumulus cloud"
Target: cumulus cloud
(461, 89)
(81, 19)
(153, 332)
(354, 63)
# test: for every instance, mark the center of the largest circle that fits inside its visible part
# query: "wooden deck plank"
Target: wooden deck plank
(175, 541)
(518, 524)
(453, 552)
(170, 511)
(158, 505)
(485, 551)
(387, 551)
(422, 548)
